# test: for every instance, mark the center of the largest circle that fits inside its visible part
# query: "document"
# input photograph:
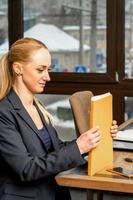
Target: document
(101, 115)
(125, 135)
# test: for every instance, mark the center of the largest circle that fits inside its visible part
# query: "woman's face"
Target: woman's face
(35, 73)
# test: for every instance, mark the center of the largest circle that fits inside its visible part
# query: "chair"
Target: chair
(80, 105)
(128, 124)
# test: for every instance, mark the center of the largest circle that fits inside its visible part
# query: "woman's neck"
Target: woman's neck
(25, 96)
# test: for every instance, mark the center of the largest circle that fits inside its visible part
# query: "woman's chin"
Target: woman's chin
(39, 90)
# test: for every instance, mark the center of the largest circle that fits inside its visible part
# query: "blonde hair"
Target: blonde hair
(20, 51)
(48, 117)
(6, 76)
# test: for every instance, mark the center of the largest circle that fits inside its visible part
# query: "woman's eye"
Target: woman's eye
(40, 70)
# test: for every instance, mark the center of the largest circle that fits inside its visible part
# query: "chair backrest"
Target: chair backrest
(128, 124)
(80, 105)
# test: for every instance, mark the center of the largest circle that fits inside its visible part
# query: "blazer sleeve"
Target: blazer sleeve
(27, 166)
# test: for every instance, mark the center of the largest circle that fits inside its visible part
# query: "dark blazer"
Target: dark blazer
(27, 169)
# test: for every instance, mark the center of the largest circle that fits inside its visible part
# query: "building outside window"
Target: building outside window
(76, 25)
(3, 26)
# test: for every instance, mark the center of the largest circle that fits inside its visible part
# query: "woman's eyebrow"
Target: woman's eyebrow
(44, 66)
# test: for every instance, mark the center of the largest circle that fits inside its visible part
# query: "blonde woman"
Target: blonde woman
(31, 153)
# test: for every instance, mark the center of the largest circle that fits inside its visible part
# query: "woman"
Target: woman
(30, 150)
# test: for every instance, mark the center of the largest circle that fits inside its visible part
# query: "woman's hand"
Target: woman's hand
(88, 140)
(91, 138)
(114, 129)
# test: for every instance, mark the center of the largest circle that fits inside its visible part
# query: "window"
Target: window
(128, 107)
(76, 25)
(129, 39)
(3, 27)
(78, 66)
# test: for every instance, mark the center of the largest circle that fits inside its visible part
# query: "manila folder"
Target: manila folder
(101, 115)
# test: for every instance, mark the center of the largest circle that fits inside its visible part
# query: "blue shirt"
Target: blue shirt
(46, 138)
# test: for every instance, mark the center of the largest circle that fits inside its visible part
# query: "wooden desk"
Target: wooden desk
(104, 181)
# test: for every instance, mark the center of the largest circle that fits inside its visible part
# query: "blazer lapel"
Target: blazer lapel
(23, 114)
(18, 106)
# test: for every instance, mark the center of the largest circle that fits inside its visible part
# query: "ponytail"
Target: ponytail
(47, 116)
(6, 76)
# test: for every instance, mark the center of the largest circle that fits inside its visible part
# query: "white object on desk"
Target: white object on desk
(124, 145)
(125, 135)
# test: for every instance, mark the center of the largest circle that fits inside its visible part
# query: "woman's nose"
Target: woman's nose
(46, 76)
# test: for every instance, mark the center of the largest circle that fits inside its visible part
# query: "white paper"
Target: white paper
(101, 96)
(126, 135)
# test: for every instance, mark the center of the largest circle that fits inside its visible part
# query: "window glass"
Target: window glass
(74, 31)
(128, 107)
(59, 107)
(129, 39)
(3, 27)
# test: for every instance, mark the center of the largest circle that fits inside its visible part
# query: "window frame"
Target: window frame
(113, 80)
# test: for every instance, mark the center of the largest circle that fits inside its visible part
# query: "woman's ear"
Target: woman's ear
(17, 68)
